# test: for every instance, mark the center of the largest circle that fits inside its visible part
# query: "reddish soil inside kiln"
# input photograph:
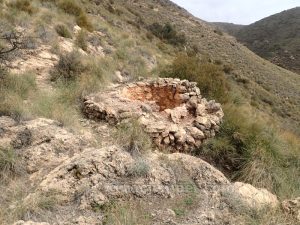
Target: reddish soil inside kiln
(167, 97)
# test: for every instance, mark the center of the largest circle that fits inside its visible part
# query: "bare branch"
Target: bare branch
(13, 41)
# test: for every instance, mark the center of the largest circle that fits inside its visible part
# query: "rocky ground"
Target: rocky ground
(86, 177)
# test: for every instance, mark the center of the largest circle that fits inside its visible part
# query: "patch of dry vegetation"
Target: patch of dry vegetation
(22, 5)
(14, 89)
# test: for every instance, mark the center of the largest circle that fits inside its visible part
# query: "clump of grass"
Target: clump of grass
(81, 40)
(22, 5)
(140, 168)
(63, 31)
(83, 21)
(132, 137)
(14, 89)
(75, 76)
(269, 217)
(16, 206)
(57, 107)
(126, 214)
(68, 68)
(10, 163)
(209, 77)
(251, 151)
(71, 7)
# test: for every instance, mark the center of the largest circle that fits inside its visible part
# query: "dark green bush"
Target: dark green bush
(168, 33)
(63, 31)
(209, 77)
(68, 68)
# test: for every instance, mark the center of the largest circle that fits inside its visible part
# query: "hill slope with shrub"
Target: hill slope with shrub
(229, 28)
(275, 38)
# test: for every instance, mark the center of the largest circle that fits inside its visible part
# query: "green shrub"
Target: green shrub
(69, 67)
(209, 77)
(168, 33)
(22, 5)
(63, 31)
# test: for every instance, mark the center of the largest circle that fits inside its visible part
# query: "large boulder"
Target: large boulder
(241, 195)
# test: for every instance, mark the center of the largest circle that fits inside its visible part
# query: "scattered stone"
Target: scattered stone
(23, 139)
(292, 207)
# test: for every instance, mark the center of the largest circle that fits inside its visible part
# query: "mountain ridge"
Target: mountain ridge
(275, 38)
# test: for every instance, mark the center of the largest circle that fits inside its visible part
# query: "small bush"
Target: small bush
(81, 40)
(76, 10)
(22, 5)
(140, 168)
(14, 89)
(63, 31)
(132, 137)
(68, 68)
(168, 33)
(10, 164)
(82, 21)
(70, 7)
(209, 77)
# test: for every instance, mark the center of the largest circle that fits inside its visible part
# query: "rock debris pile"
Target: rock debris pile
(172, 111)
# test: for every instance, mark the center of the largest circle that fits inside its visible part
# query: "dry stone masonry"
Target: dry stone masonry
(172, 111)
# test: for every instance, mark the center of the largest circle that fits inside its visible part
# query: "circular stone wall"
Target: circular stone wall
(171, 111)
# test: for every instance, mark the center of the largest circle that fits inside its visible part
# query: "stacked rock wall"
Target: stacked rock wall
(172, 111)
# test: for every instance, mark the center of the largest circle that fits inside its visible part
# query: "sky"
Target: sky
(236, 11)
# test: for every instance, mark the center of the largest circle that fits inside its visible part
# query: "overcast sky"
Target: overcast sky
(236, 11)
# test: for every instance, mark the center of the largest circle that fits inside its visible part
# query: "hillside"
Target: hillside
(275, 38)
(229, 28)
(137, 113)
